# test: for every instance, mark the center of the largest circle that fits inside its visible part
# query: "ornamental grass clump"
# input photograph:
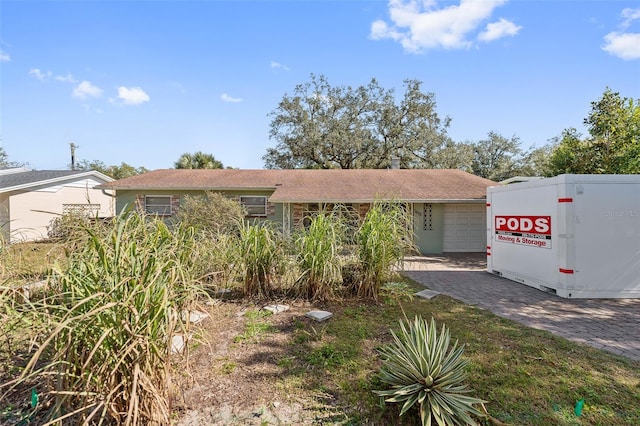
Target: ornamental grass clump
(422, 370)
(261, 255)
(318, 256)
(382, 240)
(107, 325)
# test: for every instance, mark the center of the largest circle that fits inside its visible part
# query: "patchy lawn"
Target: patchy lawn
(252, 368)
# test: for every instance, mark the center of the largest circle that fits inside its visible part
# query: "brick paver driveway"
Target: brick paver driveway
(609, 324)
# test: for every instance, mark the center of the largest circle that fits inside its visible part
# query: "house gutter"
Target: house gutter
(182, 188)
(104, 191)
(368, 200)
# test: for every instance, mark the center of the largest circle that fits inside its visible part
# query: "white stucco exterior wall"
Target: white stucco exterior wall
(32, 210)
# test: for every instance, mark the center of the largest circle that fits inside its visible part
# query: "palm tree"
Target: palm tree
(198, 160)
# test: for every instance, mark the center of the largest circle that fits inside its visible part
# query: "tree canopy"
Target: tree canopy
(613, 144)
(197, 160)
(324, 126)
(497, 158)
(122, 171)
(4, 160)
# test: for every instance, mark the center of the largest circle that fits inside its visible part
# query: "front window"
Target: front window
(255, 206)
(158, 204)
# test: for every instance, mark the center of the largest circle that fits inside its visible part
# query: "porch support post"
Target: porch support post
(286, 218)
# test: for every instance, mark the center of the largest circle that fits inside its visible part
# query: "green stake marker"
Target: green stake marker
(34, 398)
(578, 409)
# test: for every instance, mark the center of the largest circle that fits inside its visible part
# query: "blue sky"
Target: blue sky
(142, 82)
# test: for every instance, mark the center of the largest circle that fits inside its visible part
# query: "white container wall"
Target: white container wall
(577, 236)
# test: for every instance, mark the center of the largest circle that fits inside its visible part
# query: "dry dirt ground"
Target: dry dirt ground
(229, 380)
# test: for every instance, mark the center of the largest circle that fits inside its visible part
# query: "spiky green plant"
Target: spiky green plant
(318, 256)
(109, 322)
(261, 253)
(382, 240)
(422, 370)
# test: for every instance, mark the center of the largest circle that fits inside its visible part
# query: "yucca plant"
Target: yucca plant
(111, 316)
(261, 253)
(422, 370)
(318, 256)
(382, 240)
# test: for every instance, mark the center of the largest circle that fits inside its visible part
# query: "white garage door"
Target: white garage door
(465, 228)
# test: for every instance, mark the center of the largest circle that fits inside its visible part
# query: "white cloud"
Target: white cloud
(39, 75)
(629, 16)
(496, 30)
(624, 45)
(4, 57)
(278, 65)
(132, 96)
(228, 98)
(420, 26)
(66, 78)
(86, 90)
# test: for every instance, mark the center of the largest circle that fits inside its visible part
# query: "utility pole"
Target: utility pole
(73, 154)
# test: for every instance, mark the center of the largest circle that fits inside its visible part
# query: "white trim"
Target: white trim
(266, 205)
(56, 180)
(165, 213)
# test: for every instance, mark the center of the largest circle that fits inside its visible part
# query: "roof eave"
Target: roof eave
(369, 200)
(186, 188)
(57, 180)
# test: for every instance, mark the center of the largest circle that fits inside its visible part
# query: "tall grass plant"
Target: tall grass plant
(262, 252)
(103, 355)
(318, 256)
(383, 238)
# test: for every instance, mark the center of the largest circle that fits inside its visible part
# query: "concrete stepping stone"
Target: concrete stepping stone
(427, 294)
(27, 289)
(177, 344)
(195, 317)
(319, 316)
(276, 309)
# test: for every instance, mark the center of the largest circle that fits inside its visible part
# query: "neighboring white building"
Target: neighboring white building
(30, 199)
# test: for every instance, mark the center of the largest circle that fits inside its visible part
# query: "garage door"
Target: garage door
(465, 228)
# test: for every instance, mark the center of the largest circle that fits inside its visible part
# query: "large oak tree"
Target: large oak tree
(325, 126)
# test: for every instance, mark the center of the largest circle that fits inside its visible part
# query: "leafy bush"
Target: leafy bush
(422, 370)
(212, 212)
(383, 239)
(318, 256)
(68, 227)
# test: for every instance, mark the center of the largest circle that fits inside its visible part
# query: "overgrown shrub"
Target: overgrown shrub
(68, 227)
(107, 326)
(422, 370)
(382, 240)
(318, 256)
(212, 213)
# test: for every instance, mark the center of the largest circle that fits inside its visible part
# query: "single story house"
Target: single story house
(448, 206)
(30, 199)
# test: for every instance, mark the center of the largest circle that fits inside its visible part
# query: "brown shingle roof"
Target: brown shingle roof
(355, 185)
